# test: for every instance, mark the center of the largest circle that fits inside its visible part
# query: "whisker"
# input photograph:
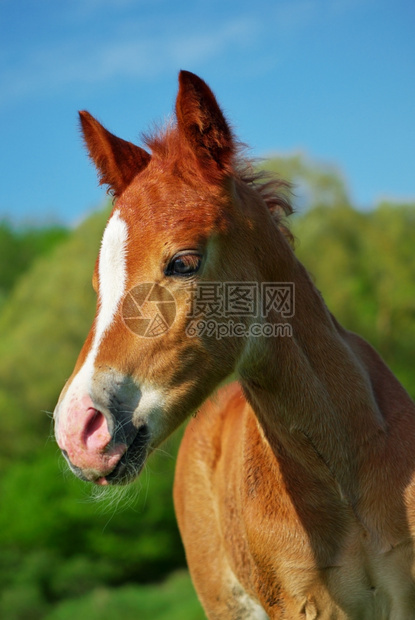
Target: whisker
(164, 453)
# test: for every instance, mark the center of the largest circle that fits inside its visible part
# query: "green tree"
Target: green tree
(315, 184)
(364, 264)
(20, 246)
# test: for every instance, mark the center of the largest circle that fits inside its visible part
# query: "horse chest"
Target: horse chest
(360, 583)
(310, 554)
(356, 590)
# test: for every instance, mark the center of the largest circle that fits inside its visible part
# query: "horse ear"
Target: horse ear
(204, 127)
(116, 160)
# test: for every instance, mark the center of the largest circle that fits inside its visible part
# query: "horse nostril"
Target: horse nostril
(96, 435)
(93, 423)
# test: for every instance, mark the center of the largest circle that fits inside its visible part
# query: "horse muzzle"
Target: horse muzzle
(102, 443)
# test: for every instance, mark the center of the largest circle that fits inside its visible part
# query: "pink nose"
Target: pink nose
(82, 432)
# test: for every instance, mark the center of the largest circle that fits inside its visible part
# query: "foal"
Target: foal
(294, 487)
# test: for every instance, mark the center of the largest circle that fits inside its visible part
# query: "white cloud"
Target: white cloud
(129, 44)
(128, 53)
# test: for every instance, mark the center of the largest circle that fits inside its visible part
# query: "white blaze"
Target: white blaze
(112, 274)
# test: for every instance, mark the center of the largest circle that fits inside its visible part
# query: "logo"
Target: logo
(214, 309)
(149, 310)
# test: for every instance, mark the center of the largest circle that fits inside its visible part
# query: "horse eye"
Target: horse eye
(184, 265)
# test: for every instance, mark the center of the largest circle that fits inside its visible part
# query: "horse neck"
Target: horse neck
(311, 392)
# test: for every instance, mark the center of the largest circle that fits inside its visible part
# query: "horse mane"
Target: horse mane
(166, 144)
(274, 191)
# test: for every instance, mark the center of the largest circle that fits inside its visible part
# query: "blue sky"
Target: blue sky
(332, 78)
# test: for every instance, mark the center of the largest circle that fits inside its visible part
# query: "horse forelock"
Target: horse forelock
(170, 149)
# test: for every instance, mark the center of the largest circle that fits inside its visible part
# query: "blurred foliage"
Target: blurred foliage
(172, 600)
(364, 265)
(19, 246)
(313, 184)
(65, 554)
